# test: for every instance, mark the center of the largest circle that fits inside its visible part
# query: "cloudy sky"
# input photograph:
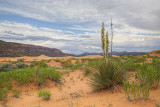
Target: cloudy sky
(74, 26)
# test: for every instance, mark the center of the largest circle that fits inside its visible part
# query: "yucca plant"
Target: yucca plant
(108, 75)
(103, 39)
(104, 43)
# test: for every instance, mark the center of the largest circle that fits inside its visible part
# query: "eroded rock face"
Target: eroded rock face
(10, 49)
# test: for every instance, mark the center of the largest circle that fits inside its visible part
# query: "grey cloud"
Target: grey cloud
(14, 36)
(142, 14)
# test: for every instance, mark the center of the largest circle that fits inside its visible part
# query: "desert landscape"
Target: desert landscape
(79, 53)
(73, 89)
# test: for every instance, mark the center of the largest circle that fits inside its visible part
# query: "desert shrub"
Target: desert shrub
(76, 66)
(47, 73)
(67, 63)
(21, 65)
(148, 55)
(20, 60)
(139, 60)
(16, 93)
(87, 71)
(40, 64)
(27, 75)
(84, 60)
(135, 91)
(116, 59)
(108, 75)
(95, 63)
(77, 61)
(149, 73)
(6, 67)
(5, 80)
(44, 94)
(130, 65)
(3, 93)
(23, 76)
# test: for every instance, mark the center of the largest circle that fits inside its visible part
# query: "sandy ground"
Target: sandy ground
(43, 57)
(74, 90)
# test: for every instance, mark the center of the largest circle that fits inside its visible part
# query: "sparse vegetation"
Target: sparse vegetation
(158, 52)
(16, 93)
(3, 93)
(67, 63)
(76, 66)
(44, 94)
(129, 65)
(135, 91)
(40, 64)
(149, 73)
(87, 71)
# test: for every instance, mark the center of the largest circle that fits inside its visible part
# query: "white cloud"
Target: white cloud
(130, 18)
(138, 13)
(76, 43)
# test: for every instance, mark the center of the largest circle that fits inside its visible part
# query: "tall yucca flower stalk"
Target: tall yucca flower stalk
(111, 38)
(103, 40)
(107, 46)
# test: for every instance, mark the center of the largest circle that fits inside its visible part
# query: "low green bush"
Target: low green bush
(76, 66)
(139, 60)
(44, 94)
(40, 64)
(129, 65)
(66, 63)
(47, 73)
(3, 93)
(108, 75)
(28, 75)
(95, 63)
(6, 67)
(16, 93)
(21, 65)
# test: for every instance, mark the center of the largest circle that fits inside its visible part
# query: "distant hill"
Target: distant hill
(11, 49)
(155, 53)
(116, 53)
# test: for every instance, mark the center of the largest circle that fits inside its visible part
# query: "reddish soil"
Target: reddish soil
(75, 89)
